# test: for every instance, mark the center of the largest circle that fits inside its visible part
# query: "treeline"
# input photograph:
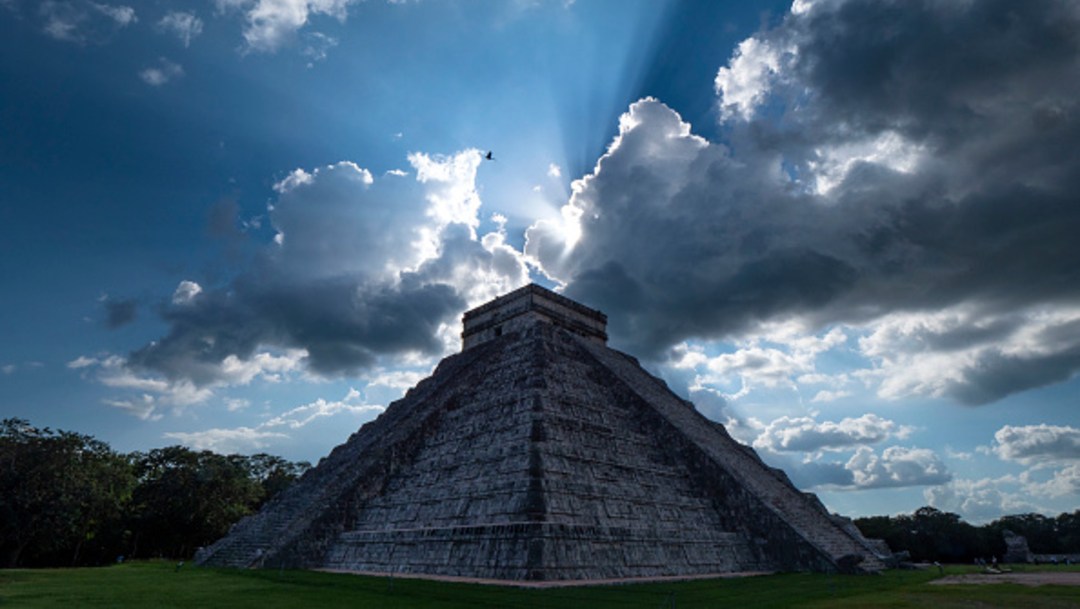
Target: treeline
(68, 499)
(930, 534)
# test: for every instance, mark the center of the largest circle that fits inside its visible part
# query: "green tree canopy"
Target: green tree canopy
(67, 498)
(185, 499)
(58, 490)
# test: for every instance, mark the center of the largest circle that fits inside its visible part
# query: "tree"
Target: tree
(1068, 528)
(58, 491)
(67, 498)
(186, 499)
(1041, 531)
(930, 534)
(274, 474)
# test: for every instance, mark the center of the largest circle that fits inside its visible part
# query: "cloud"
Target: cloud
(83, 21)
(143, 407)
(113, 371)
(274, 429)
(808, 451)
(316, 46)
(119, 312)
(1031, 444)
(301, 416)
(365, 273)
(236, 404)
(270, 24)
(755, 365)
(185, 26)
(1052, 453)
(227, 441)
(1062, 483)
(864, 469)
(805, 434)
(397, 379)
(269, 367)
(814, 473)
(164, 72)
(781, 355)
(971, 355)
(152, 390)
(82, 362)
(879, 159)
(826, 395)
(122, 15)
(186, 292)
(897, 466)
(743, 85)
(982, 500)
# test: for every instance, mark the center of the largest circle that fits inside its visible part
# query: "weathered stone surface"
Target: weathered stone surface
(526, 306)
(541, 454)
(1016, 548)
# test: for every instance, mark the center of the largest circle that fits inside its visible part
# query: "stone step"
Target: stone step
(812, 522)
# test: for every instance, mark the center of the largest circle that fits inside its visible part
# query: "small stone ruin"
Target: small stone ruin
(1016, 548)
(540, 454)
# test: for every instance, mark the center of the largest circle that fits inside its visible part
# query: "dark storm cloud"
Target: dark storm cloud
(990, 354)
(359, 270)
(934, 69)
(343, 324)
(901, 156)
(119, 313)
(997, 375)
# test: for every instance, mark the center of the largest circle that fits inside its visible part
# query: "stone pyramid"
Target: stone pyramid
(538, 453)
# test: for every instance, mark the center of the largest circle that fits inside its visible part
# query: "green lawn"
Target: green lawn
(160, 584)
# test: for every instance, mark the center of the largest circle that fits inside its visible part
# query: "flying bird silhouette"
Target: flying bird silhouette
(488, 156)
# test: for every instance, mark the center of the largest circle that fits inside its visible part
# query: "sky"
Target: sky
(846, 229)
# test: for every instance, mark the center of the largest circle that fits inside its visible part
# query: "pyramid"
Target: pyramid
(538, 453)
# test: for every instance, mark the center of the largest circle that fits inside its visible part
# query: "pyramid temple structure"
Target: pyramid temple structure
(538, 453)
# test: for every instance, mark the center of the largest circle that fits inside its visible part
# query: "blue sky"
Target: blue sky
(844, 228)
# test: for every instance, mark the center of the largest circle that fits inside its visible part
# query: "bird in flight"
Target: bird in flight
(489, 157)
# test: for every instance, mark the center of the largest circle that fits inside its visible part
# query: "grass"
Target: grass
(160, 584)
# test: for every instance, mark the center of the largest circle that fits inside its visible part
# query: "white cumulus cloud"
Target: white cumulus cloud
(186, 292)
(981, 500)
(84, 21)
(1030, 444)
(806, 434)
(184, 25)
(270, 24)
(744, 84)
(162, 73)
(896, 466)
(276, 429)
(227, 441)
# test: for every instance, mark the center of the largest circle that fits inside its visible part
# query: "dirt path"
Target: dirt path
(1056, 578)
